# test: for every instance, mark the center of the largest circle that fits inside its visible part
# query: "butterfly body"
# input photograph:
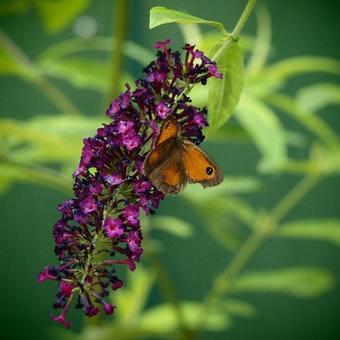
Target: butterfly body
(176, 161)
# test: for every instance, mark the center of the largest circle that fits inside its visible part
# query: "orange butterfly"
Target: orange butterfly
(176, 161)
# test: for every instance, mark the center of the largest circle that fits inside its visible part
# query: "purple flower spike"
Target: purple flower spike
(110, 187)
(113, 227)
(162, 110)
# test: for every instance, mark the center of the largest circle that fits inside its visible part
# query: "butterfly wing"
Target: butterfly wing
(164, 168)
(169, 129)
(199, 167)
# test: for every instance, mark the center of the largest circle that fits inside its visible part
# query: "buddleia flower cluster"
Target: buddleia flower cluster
(99, 228)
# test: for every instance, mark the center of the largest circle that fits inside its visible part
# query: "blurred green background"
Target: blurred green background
(28, 210)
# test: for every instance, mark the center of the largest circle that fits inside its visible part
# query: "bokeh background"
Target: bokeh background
(28, 210)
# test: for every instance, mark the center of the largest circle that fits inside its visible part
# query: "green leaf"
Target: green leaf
(239, 308)
(315, 97)
(292, 67)
(230, 185)
(12, 171)
(57, 15)
(323, 230)
(309, 120)
(173, 225)
(80, 72)
(224, 94)
(8, 63)
(47, 138)
(304, 282)
(266, 130)
(191, 33)
(162, 318)
(262, 42)
(133, 298)
(79, 45)
(162, 15)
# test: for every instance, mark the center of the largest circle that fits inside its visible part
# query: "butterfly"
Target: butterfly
(176, 161)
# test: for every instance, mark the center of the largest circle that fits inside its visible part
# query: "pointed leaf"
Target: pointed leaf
(323, 230)
(239, 308)
(162, 15)
(230, 185)
(162, 318)
(98, 43)
(173, 225)
(315, 97)
(305, 282)
(80, 72)
(282, 70)
(224, 94)
(266, 130)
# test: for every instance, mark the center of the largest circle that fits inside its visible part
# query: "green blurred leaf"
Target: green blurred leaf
(323, 230)
(79, 45)
(317, 96)
(239, 308)
(80, 72)
(57, 14)
(172, 225)
(47, 138)
(162, 15)
(309, 120)
(12, 171)
(224, 219)
(162, 318)
(230, 185)
(292, 67)
(240, 209)
(304, 282)
(132, 299)
(266, 130)
(9, 64)
(224, 94)
(191, 33)
(262, 42)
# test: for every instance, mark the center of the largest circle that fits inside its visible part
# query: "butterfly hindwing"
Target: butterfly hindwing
(169, 176)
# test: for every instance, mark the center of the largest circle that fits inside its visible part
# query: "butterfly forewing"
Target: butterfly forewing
(169, 129)
(199, 167)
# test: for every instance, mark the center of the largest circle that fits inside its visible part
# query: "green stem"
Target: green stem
(243, 19)
(234, 36)
(121, 30)
(262, 231)
(288, 202)
(30, 72)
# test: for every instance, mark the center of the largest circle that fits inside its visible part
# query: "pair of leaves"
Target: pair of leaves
(224, 94)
